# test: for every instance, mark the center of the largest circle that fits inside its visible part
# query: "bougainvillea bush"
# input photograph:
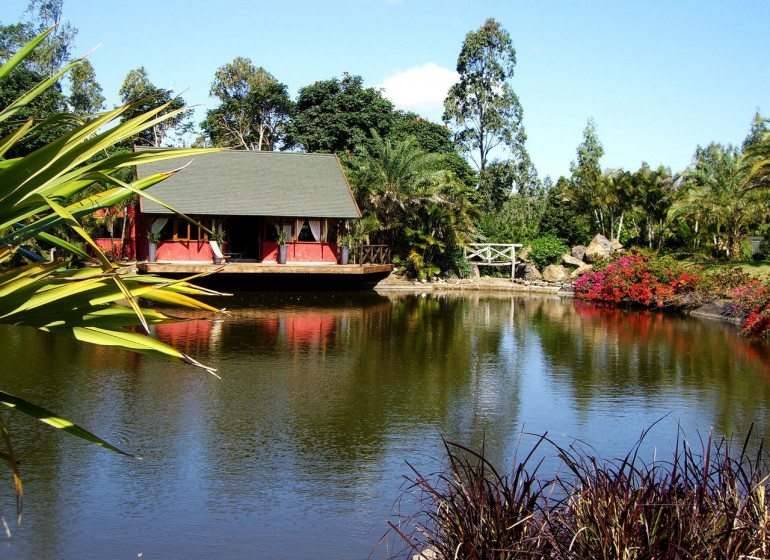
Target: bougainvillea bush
(752, 304)
(638, 279)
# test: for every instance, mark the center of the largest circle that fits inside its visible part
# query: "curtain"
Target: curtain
(287, 229)
(315, 229)
(158, 224)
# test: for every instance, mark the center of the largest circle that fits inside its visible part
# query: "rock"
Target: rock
(555, 273)
(599, 248)
(427, 554)
(530, 272)
(572, 261)
(581, 270)
(616, 245)
(524, 253)
(579, 252)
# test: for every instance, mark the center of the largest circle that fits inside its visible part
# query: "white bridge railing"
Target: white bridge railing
(492, 254)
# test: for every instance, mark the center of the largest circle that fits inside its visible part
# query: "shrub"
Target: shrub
(547, 250)
(753, 306)
(638, 279)
(747, 250)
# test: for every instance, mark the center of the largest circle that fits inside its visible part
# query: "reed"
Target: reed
(707, 501)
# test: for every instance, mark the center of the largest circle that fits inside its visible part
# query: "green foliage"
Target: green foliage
(586, 172)
(47, 105)
(339, 115)
(430, 137)
(717, 196)
(54, 51)
(97, 304)
(483, 106)
(757, 133)
(85, 93)
(418, 203)
(456, 262)
(142, 96)
(547, 250)
(653, 192)
(756, 161)
(560, 217)
(254, 108)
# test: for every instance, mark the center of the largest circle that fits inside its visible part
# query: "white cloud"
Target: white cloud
(421, 89)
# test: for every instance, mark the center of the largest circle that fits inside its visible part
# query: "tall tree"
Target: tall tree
(85, 96)
(138, 87)
(586, 172)
(254, 108)
(339, 114)
(757, 132)
(54, 51)
(483, 107)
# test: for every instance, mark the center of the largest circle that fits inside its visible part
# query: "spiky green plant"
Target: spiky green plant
(37, 196)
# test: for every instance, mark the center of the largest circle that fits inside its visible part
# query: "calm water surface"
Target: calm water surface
(299, 451)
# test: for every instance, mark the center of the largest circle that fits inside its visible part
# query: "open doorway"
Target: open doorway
(243, 233)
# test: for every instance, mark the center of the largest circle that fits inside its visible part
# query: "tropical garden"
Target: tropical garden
(426, 189)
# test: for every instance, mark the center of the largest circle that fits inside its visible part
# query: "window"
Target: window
(274, 225)
(330, 231)
(316, 230)
(185, 231)
(305, 235)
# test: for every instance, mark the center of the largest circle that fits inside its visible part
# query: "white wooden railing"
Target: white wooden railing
(492, 254)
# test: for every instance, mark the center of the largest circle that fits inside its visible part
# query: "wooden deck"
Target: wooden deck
(261, 268)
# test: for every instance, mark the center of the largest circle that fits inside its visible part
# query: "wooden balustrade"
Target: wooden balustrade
(374, 254)
(492, 254)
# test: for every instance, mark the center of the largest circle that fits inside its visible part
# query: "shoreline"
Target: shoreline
(715, 310)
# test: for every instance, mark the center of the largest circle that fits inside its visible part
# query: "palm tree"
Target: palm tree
(653, 191)
(717, 196)
(756, 163)
(417, 201)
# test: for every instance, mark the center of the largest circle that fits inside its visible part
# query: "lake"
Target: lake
(299, 451)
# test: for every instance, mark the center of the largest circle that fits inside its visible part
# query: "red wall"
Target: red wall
(184, 251)
(302, 252)
(107, 245)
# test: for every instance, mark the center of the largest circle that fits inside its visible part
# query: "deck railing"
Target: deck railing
(374, 254)
(492, 254)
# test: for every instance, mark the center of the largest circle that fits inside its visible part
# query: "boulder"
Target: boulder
(528, 271)
(579, 252)
(599, 248)
(581, 270)
(572, 261)
(524, 253)
(616, 245)
(555, 273)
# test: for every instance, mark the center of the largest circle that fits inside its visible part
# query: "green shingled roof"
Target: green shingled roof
(247, 183)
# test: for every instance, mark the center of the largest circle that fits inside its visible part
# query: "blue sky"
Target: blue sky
(658, 77)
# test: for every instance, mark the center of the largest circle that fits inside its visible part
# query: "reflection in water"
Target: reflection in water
(302, 444)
